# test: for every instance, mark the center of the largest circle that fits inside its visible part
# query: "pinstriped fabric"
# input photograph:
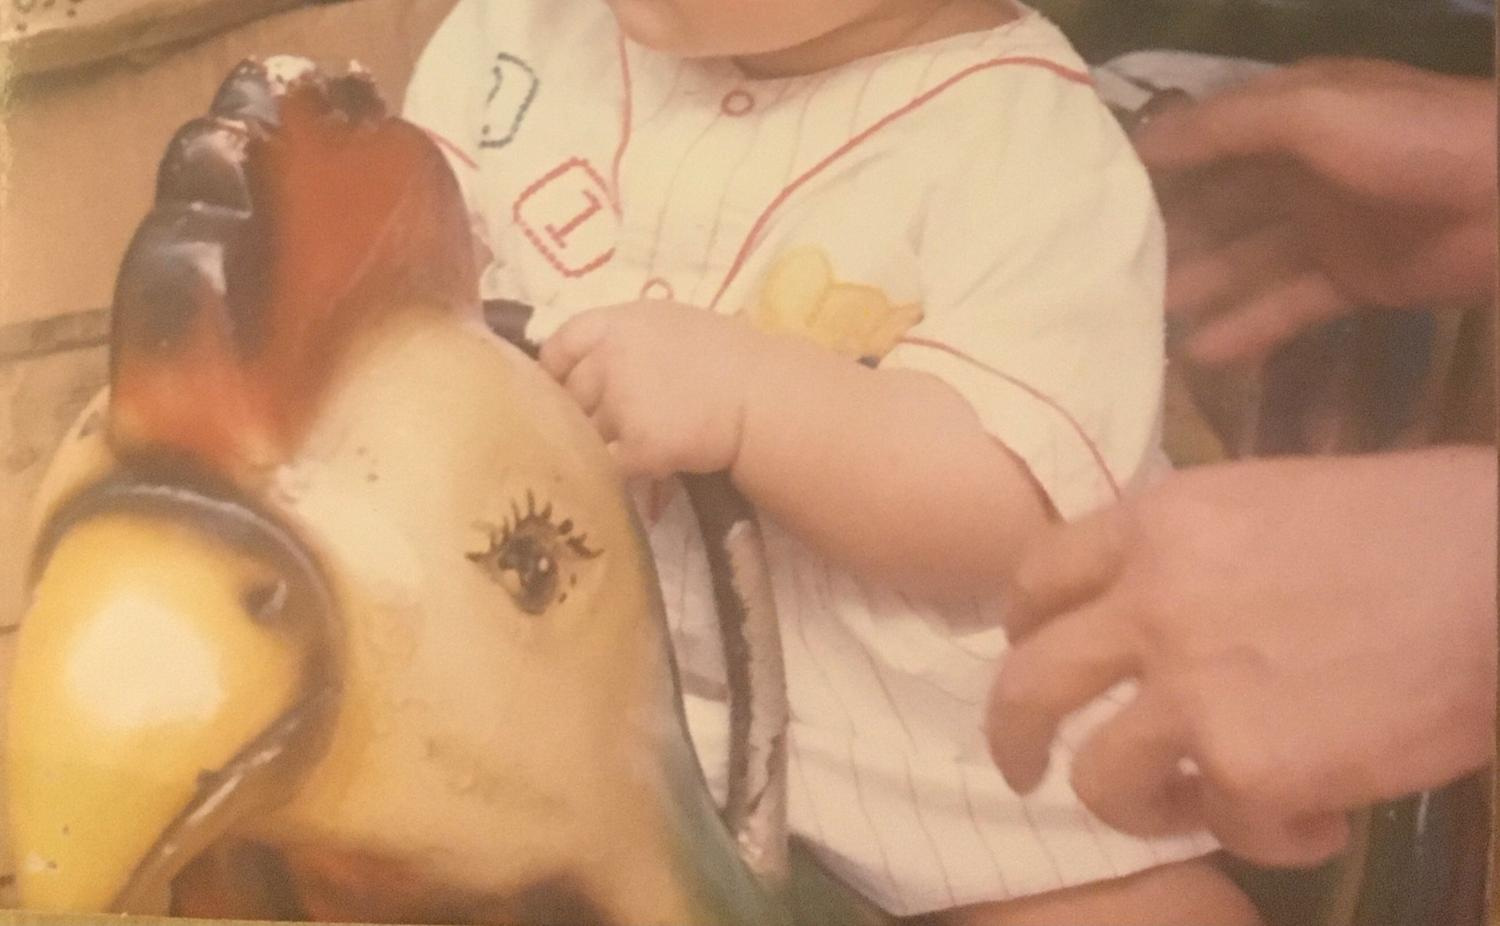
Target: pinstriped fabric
(760, 141)
(975, 176)
(890, 778)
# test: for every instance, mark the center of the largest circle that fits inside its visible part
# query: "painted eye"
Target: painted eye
(531, 556)
(528, 570)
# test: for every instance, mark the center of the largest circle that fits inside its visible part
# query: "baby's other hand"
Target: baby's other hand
(664, 383)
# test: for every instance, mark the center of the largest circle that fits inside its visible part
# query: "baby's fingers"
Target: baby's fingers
(569, 344)
(639, 458)
(1056, 671)
(585, 382)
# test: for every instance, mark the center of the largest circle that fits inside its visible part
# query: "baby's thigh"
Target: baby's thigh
(1191, 893)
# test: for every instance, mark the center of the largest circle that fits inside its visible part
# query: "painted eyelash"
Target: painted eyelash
(575, 541)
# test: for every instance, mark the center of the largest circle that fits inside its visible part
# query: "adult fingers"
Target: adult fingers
(1130, 772)
(1067, 565)
(1270, 836)
(1199, 284)
(1262, 117)
(1057, 670)
(572, 342)
(1253, 329)
(1205, 208)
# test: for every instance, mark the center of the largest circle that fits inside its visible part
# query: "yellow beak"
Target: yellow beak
(170, 677)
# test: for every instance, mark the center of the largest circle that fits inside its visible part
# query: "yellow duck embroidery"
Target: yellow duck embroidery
(801, 297)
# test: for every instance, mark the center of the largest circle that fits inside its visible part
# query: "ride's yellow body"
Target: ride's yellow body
(403, 634)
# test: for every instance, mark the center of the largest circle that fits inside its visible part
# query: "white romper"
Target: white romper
(966, 208)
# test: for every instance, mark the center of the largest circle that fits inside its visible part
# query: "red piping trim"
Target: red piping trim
(854, 142)
(452, 149)
(1035, 393)
(626, 117)
(530, 233)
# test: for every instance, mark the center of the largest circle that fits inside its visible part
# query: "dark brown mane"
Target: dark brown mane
(298, 215)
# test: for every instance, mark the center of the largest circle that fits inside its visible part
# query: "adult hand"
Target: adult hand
(1319, 189)
(1309, 636)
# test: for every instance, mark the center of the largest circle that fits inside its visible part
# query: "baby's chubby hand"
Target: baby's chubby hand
(666, 384)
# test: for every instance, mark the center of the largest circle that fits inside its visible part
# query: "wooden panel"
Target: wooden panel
(83, 150)
(39, 398)
(44, 35)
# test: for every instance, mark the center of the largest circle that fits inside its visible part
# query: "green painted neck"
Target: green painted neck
(721, 888)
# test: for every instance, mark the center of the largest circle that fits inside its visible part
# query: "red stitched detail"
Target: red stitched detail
(1035, 393)
(658, 289)
(560, 235)
(626, 117)
(537, 241)
(452, 149)
(737, 102)
(854, 142)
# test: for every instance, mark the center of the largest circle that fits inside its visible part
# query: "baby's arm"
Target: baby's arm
(886, 471)
(1031, 385)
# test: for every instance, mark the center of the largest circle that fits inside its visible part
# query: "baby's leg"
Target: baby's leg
(1193, 893)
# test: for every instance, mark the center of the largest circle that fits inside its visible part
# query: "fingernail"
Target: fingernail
(1160, 106)
(1321, 835)
(1182, 795)
(1210, 350)
(1021, 773)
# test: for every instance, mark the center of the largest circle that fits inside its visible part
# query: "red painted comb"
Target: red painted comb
(293, 217)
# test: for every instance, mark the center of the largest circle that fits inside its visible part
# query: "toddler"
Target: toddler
(891, 264)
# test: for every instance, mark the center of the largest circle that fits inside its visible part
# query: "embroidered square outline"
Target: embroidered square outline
(561, 204)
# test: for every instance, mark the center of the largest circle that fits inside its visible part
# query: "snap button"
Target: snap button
(657, 289)
(737, 103)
